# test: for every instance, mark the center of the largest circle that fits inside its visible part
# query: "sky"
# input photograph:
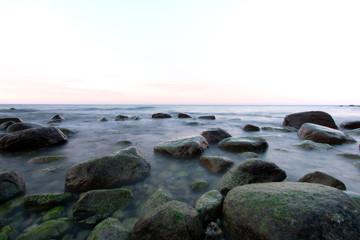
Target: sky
(180, 52)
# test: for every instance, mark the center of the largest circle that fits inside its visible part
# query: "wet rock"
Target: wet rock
(349, 155)
(172, 220)
(56, 118)
(3, 120)
(8, 232)
(103, 119)
(210, 117)
(54, 213)
(67, 132)
(244, 144)
(53, 170)
(192, 123)
(214, 135)
(183, 115)
(125, 166)
(295, 211)
(45, 201)
(22, 126)
(280, 129)
(247, 155)
(12, 109)
(33, 138)
(354, 196)
(129, 223)
(213, 232)
(209, 205)
(324, 179)
(199, 185)
(135, 118)
(45, 159)
(350, 125)
(183, 147)
(355, 132)
(95, 205)
(156, 199)
(251, 171)
(11, 185)
(161, 115)
(5, 125)
(109, 229)
(121, 117)
(308, 144)
(216, 163)
(251, 128)
(321, 134)
(296, 120)
(52, 229)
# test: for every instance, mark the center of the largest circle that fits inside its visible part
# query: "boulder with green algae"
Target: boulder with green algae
(216, 163)
(244, 144)
(311, 145)
(123, 167)
(289, 210)
(11, 185)
(199, 185)
(52, 229)
(156, 199)
(45, 159)
(53, 213)
(209, 206)
(173, 220)
(109, 229)
(8, 232)
(45, 201)
(95, 205)
(323, 178)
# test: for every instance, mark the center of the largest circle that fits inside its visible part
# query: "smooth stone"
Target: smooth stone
(5, 125)
(66, 131)
(324, 179)
(280, 129)
(56, 118)
(192, 123)
(124, 167)
(183, 147)
(183, 115)
(311, 145)
(354, 196)
(45, 201)
(53, 213)
(199, 185)
(213, 232)
(349, 155)
(33, 138)
(244, 144)
(296, 211)
(321, 134)
(22, 126)
(215, 135)
(296, 120)
(251, 171)
(210, 117)
(172, 220)
(216, 163)
(121, 117)
(109, 229)
(3, 120)
(156, 199)
(350, 125)
(11, 185)
(161, 115)
(45, 159)
(251, 128)
(247, 155)
(209, 205)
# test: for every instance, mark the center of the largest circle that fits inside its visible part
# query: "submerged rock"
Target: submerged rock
(125, 166)
(156, 199)
(317, 117)
(244, 144)
(45, 159)
(5, 125)
(213, 232)
(183, 115)
(280, 129)
(11, 185)
(295, 211)
(109, 229)
(308, 144)
(251, 128)
(22, 126)
(66, 131)
(215, 135)
(53, 213)
(324, 179)
(199, 185)
(3, 120)
(251, 171)
(121, 117)
(209, 206)
(349, 155)
(103, 119)
(321, 134)
(56, 118)
(355, 132)
(216, 163)
(161, 115)
(350, 125)
(45, 201)
(172, 220)
(184, 147)
(210, 117)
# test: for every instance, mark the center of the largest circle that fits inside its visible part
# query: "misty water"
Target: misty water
(95, 138)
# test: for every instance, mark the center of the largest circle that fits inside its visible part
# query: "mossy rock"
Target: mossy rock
(209, 206)
(199, 185)
(156, 199)
(244, 144)
(11, 185)
(45, 201)
(53, 213)
(323, 178)
(45, 159)
(109, 229)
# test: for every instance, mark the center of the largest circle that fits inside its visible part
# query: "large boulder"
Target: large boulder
(209, 206)
(33, 138)
(109, 229)
(321, 134)
(251, 128)
(215, 135)
(22, 126)
(161, 115)
(244, 144)
(3, 120)
(216, 163)
(11, 185)
(350, 125)
(45, 201)
(156, 199)
(172, 220)
(323, 178)
(250, 171)
(184, 147)
(125, 166)
(296, 211)
(317, 117)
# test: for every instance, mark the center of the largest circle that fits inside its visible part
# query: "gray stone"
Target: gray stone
(161, 115)
(311, 145)
(215, 135)
(45, 201)
(251, 128)
(216, 163)
(121, 117)
(109, 229)
(323, 178)
(350, 125)
(183, 115)
(209, 205)
(244, 144)
(318, 117)
(11, 185)
(3, 120)
(22, 126)
(210, 117)
(199, 185)
(156, 199)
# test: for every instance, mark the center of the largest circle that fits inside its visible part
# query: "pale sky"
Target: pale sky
(180, 52)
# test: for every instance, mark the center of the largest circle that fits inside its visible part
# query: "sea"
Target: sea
(94, 138)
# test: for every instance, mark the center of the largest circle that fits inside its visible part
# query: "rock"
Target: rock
(160, 115)
(355, 132)
(350, 125)
(121, 117)
(172, 220)
(95, 205)
(216, 163)
(67, 132)
(12, 109)
(184, 147)
(308, 144)
(192, 123)
(215, 135)
(295, 211)
(244, 144)
(56, 118)
(22, 126)
(5, 125)
(156, 199)
(3, 120)
(280, 129)
(45, 201)
(8, 232)
(53, 213)
(45, 159)
(53, 170)
(11, 185)
(321, 134)
(33, 138)
(251, 171)
(129, 223)
(209, 205)
(354, 196)
(211, 117)
(324, 179)
(349, 155)
(213, 232)
(199, 185)
(52, 229)
(296, 120)
(103, 119)
(109, 229)
(247, 155)
(124, 143)
(125, 166)
(183, 115)
(251, 128)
